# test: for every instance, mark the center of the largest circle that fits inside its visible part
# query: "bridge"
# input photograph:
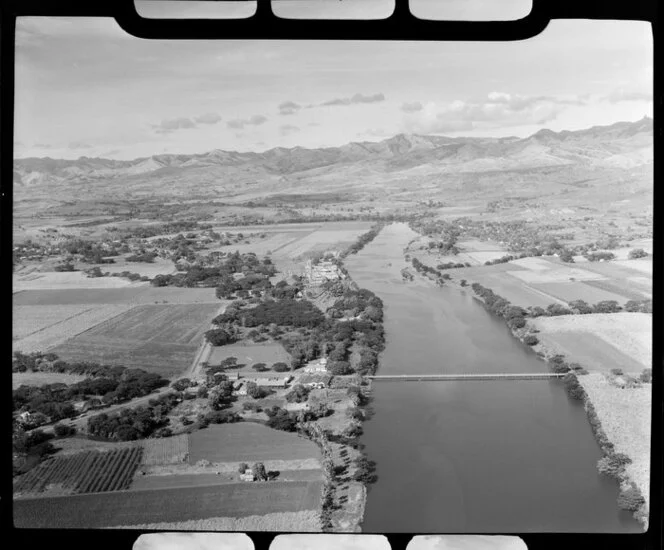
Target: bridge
(449, 377)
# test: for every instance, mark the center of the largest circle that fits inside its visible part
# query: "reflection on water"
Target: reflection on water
(471, 456)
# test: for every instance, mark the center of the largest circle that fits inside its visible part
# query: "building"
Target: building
(248, 476)
(272, 382)
(325, 270)
(317, 365)
(239, 388)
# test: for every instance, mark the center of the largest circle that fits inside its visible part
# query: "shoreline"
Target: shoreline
(595, 419)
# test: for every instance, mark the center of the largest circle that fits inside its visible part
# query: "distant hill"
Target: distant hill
(621, 152)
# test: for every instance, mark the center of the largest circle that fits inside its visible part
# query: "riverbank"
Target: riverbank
(618, 408)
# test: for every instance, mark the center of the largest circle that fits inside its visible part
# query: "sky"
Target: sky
(321, 541)
(84, 87)
(466, 542)
(193, 541)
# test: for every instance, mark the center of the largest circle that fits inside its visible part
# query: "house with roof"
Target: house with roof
(317, 365)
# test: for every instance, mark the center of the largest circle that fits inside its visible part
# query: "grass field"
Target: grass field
(250, 354)
(157, 338)
(248, 442)
(41, 378)
(625, 415)
(166, 505)
(601, 341)
(56, 332)
(302, 522)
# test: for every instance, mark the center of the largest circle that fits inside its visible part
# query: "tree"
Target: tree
(607, 306)
(260, 367)
(243, 467)
(63, 430)
(339, 368)
(229, 363)
(219, 337)
(280, 367)
(637, 253)
(181, 384)
(258, 469)
(566, 256)
(530, 340)
(580, 307)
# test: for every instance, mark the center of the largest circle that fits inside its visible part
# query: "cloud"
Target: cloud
(171, 125)
(354, 100)
(289, 108)
(496, 110)
(42, 146)
(239, 123)
(208, 118)
(288, 129)
(325, 541)
(411, 107)
(619, 95)
(375, 132)
(79, 145)
(314, 124)
(167, 126)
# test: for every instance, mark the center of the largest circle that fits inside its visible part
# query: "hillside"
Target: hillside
(408, 167)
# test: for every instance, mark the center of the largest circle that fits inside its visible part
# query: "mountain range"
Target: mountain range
(623, 148)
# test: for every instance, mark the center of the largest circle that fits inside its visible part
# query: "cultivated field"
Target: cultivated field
(157, 338)
(301, 522)
(165, 450)
(73, 321)
(166, 505)
(85, 472)
(72, 279)
(248, 442)
(250, 354)
(133, 295)
(601, 341)
(625, 415)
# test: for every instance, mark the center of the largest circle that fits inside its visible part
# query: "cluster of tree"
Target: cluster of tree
(220, 336)
(362, 241)
(637, 253)
(597, 256)
(66, 265)
(145, 257)
(286, 312)
(573, 387)
(258, 470)
(425, 269)
(580, 307)
(140, 422)
(504, 259)
(298, 394)
(513, 315)
(451, 265)
(29, 449)
(147, 231)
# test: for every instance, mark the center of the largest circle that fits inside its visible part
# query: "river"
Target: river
(471, 456)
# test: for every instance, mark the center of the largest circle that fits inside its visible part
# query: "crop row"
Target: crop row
(85, 472)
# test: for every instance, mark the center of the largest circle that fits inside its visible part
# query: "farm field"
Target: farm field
(601, 341)
(250, 354)
(166, 505)
(157, 338)
(165, 450)
(41, 378)
(625, 415)
(505, 285)
(572, 290)
(248, 442)
(302, 522)
(133, 295)
(27, 320)
(65, 280)
(208, 479)
(58, 332)
(85, 472)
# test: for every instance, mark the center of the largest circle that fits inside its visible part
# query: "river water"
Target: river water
(471, 456)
